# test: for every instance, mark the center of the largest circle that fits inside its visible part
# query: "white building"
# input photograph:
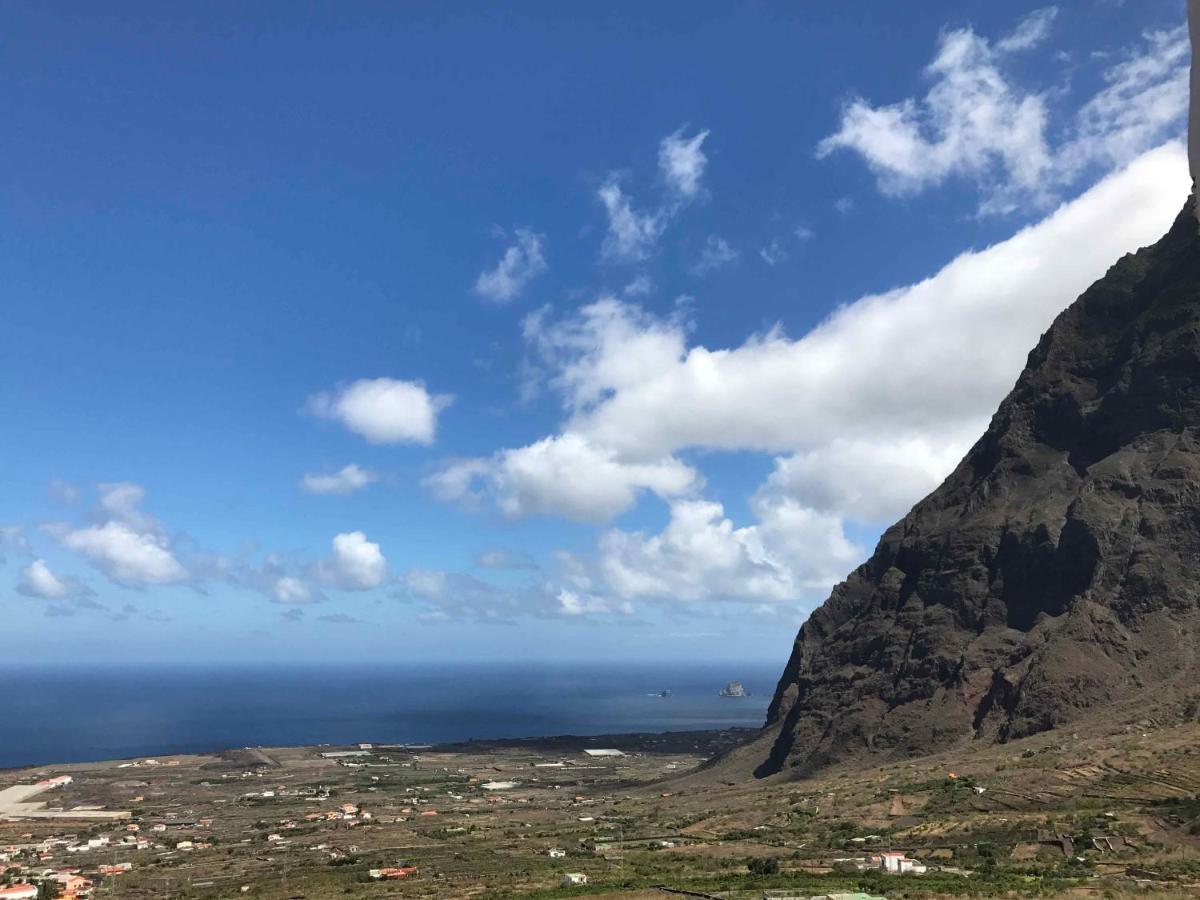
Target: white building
(556, 853)
(894, 862)
(575, 878)
(498, 785)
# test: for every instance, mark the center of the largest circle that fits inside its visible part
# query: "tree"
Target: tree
(763, 865)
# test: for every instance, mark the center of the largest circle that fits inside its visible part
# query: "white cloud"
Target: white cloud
(971, 122)
(127, 544)
(632, 235)
(930, 360)
(682, 161)
(291, 591)
(866, 413)
(564, 475)
(571, 603)
(383, 410)
(126, 555)
(869, 480)
(520, 264)
(429, 584)
(976, 123)
(275, 578)
(640, 286)
(608, 346)
(122, 500)
(453, 595)
(1030, 31)
(776, 251)
(37, 580)
(1145, 98)
(792, 554)
(717, 253)
(356, 564)
(346, 480)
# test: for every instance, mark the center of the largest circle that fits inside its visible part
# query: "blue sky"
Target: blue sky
(372, 331)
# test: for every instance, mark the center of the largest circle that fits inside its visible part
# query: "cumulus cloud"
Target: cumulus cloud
(290, 590)
(521, 263)
(126, 555)
(927, 360)
(865, 413)
(876, 403)
(606, 346)
(547, 478)
(868, 480)
(122, 502)
(355, 564)
(701, 555)
(346, 480)
(383, 410)
(37, 580)
(977, 123)
(127, 544)
(681, 161)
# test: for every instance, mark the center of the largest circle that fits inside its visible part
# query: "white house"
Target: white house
(575, 878)
(895, 862)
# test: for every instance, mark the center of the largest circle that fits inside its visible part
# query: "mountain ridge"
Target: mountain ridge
(1055, 570)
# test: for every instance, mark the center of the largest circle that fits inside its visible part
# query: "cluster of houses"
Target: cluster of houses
(71, 884)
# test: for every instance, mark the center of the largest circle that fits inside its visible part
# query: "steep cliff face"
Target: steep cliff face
(1057, 568)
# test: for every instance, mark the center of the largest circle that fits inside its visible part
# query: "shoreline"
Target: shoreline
(715, 740)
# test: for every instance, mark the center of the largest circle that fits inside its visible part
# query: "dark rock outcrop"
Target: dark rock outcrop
(1055, 571)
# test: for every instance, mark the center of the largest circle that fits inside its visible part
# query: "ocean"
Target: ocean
(85, 713)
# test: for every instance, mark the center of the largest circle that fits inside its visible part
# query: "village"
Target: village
(630, 817)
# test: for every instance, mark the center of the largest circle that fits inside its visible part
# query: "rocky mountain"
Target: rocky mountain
(1055, 571)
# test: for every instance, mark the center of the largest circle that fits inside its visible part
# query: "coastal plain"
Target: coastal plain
(1109, 810)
